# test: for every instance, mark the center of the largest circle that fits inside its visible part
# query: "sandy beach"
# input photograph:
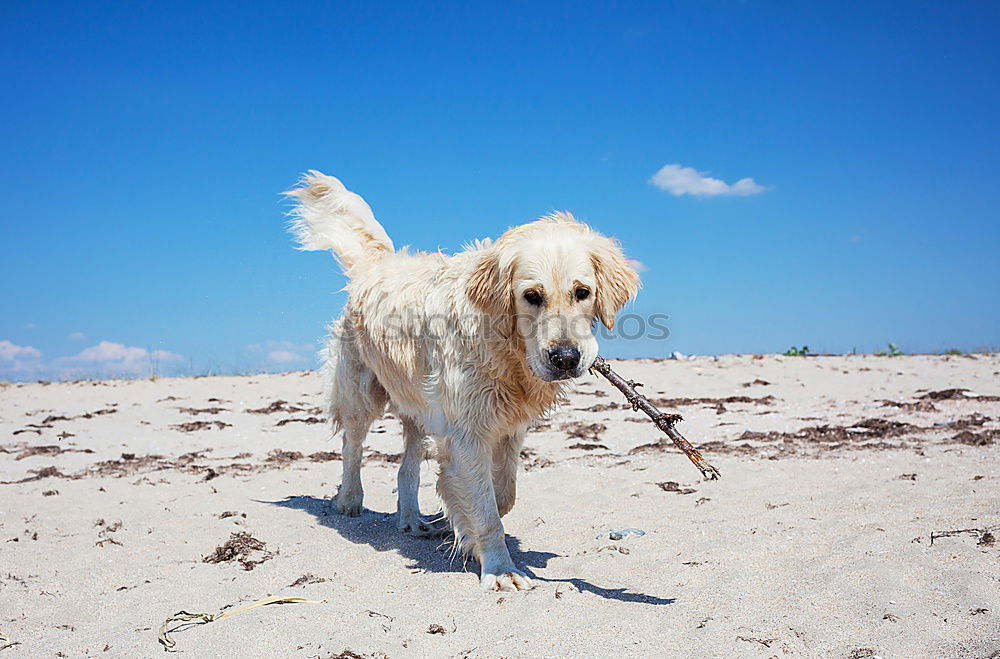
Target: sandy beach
(857, 516)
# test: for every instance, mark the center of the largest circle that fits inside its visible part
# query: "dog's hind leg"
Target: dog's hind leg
(408, 482)
(350, 494)
(356, 400)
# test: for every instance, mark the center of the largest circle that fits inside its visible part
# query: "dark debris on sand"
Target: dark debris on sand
(602, 407)
(530, 460)
(306, 579)
(242, 548)
(956, 394)
(916, 406)
(867, 434)
(590, 432)
(54, 418)
(283, 458)
(195, 411)
(284, 406)
(758, 381)
(306, 420)
(674, 486)
(324, 456)
(39, 474)
(718, 403)
(669, 403)
(191, 426)
(195, 462)
(985, 537)
(51, 449)
(974, 420)
(969, 438)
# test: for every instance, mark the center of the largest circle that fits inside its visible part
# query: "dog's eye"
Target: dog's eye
(533, 297)
(582, 293)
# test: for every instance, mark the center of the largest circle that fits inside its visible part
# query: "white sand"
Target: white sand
(806, 547)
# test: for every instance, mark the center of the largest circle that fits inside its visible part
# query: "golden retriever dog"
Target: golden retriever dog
(469, 349)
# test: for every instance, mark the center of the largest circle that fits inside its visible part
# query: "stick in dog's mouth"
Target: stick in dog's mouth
(664, 422)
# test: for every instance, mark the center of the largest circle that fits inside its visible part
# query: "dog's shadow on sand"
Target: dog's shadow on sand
(378, 530)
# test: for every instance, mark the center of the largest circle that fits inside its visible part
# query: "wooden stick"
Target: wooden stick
(664, 422)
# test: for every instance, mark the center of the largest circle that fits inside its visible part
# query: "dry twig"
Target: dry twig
(664, 422)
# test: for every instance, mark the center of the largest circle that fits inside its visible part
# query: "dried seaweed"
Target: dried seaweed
(969, 438)
(201, 410)
(588, 447)
(602, 407)
(673, 486)
(191, 426)
(917, 406)
(283, 458)
(957, 394)
(714, 402)
(531, 460)
(242, 548)
(306, 420)
(284, 406)
(585, 431)
(49, 449)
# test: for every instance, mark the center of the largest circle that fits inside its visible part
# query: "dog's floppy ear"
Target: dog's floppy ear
(489, 286)
(617, 280)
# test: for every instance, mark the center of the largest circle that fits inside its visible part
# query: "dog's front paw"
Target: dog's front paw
(349, 503)
(507, 579)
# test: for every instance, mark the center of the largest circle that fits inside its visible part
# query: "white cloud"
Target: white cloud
(12, 352)
(679, 180)
(166, 356)
(284, 352)
(106, 351)
(284, 357)
(271, 344)
(106, 359)
(118, 359)
(20, 361)
(638, 266)
(77, 336)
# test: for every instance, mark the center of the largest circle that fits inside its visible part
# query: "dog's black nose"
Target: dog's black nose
(565, 358)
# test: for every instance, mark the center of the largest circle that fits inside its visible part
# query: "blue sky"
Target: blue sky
(144, 147)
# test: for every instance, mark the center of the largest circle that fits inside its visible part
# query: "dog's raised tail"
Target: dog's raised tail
(328, 216)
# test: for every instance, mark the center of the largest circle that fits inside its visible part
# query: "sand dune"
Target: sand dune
(817, 542)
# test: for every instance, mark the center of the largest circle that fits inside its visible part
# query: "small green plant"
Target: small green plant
(953, 351)
(893, 351)
(797, 352)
